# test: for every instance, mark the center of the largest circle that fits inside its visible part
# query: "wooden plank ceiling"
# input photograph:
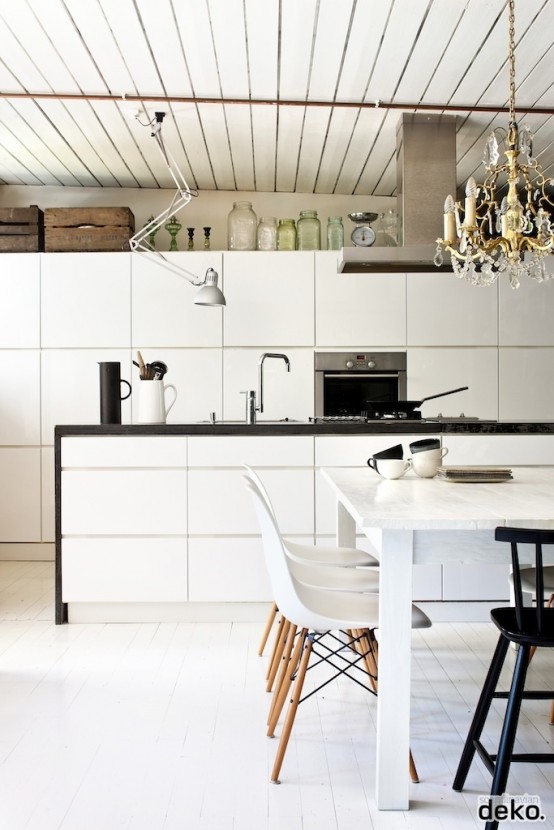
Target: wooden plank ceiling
(74, 74)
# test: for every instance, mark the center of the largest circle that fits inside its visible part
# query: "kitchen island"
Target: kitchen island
(153, 524)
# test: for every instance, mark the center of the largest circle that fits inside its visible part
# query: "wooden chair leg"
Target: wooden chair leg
(268, 625)
(293, 707)
(278, 654)
(413, 771)
(276, 639)
(281, 696)
(284, 668)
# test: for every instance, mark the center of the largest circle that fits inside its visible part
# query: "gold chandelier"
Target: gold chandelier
(515, 235)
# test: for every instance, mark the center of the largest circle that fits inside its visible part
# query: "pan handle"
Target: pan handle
(442, 394)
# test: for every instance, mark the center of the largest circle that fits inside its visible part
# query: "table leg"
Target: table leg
(346, 527)
(393, 703)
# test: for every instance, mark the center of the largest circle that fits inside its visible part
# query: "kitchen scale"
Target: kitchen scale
(363, 235)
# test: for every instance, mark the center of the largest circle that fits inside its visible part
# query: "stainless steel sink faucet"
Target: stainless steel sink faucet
(253, 405)
(260, 407)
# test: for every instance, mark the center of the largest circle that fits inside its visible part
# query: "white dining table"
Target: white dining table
(413, 520)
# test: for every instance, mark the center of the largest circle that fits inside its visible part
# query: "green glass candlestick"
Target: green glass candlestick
(152, 235)
(190, 232)
(173, 227)
(207, 232)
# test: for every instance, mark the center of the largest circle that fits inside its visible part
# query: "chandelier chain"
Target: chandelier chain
(512, 60)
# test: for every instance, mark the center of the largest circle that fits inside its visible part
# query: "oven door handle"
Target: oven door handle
(371, 373)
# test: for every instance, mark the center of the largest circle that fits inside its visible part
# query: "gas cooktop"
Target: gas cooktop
(397, 416)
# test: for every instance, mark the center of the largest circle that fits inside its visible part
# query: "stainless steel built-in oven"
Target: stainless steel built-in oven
(345, 381)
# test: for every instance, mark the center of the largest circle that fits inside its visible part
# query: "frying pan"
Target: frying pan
(376, 409)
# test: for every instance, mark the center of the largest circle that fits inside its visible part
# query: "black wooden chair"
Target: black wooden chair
(528, 628)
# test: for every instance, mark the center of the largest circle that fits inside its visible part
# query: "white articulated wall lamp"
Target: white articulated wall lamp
(209, 293)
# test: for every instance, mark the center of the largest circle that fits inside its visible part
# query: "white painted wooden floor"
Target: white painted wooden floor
(162, 727)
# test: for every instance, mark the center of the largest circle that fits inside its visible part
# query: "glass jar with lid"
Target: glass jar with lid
(267, 234)
(308, 231)
(286, 235)
(335, 233)
(241, 227)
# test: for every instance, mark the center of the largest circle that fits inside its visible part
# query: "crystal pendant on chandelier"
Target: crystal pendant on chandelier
(509, 234)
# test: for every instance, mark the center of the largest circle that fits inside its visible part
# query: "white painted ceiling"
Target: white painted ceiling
(73, 74)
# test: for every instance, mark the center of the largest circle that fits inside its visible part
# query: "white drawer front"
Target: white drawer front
(227, 570)
(262, 451)
(354, 450)
(96, 502)
(220, 504)
(124, 570)
(124, 451)
(499, 449)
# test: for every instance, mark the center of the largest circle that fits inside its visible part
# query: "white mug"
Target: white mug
(152, 407)
(391, 467)
(425, 464)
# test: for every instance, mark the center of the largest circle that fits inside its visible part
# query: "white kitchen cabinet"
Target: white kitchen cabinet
(123, 522)
(228, 570)
(286, 394)
(163, 310)
(123, 502)
(115, 570)
(270, 298)
(20, 317)
(20, 502)
(525, 314)
(434, 370)
(70, 389)
(358, 310)
(503, 450)
(525, 388)
(445, 311)
(86, 300)
(19, 396)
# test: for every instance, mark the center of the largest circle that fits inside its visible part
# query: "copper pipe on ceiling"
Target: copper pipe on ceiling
(173, 99)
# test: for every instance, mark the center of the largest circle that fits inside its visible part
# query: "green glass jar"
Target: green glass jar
(335, 233)
(308, 231)
(286, 235)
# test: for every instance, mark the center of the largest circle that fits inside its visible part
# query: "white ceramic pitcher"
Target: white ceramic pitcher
(152, 404)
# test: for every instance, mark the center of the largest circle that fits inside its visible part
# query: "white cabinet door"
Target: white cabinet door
(125, 502)
(20, 317)
(228, 570)
(270, 298)
(525, 390)
(124, 570)
(446, 311)
(434, 370)
(525, 314)
(20, 502)
(86, 300)
(358, 310)
(220, 504)
(19, 396)
(517, 450)
(163, 309)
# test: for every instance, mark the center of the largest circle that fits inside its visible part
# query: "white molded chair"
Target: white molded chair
(330, 555)
(317, 612)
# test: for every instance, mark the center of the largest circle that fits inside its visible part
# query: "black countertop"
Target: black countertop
(423, 427)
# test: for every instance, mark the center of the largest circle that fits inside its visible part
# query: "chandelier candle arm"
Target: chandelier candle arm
(494, 238)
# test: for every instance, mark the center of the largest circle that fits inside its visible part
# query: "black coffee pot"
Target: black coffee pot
(110, 392)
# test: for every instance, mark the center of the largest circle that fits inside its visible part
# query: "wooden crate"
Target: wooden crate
(88, 229)
(21, 230)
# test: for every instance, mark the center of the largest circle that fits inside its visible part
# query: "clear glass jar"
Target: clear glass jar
(267, 234)
(286, 235)
(308, 231)
(335, 233)
(241, 227)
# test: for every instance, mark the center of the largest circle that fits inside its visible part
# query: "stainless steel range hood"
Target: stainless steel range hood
(426, 173)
